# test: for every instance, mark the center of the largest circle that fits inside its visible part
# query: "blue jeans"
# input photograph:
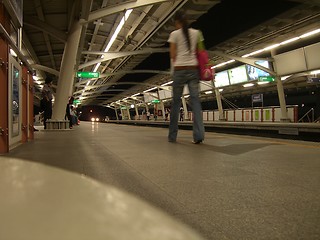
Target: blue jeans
(180, 78)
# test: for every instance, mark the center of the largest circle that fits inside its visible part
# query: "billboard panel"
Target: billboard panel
(254, 73)
(222, 79)
(238, 75)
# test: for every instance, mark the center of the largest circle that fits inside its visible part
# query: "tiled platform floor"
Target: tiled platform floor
(230, 187)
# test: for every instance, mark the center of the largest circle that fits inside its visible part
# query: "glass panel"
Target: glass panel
(15, 102)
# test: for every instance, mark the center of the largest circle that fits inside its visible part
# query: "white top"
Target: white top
(184, 56)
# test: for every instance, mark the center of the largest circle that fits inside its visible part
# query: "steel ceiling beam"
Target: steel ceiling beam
(120, 7)
(46, 28)
(113, 55)
(250, 61)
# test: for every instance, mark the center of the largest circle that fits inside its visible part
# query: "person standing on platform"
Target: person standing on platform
(183, 45)
(69, 113)
(181, 114)
(166, 114)
(46, 101)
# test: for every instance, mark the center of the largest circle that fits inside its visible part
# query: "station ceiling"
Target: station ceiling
(235, 27)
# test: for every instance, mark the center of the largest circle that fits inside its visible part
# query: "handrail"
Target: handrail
(307, 115)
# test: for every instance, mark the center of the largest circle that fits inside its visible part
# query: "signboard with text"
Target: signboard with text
(88, 74)
(257, 97)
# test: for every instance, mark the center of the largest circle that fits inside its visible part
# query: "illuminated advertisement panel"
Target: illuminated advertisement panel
(238, 75)
(222, 79)
(254, 73)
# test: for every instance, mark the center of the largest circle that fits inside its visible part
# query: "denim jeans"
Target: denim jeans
(180, 78)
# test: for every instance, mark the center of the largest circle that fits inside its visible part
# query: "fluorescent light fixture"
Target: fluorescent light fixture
(165, 84)
(186, 96)
(224, 63)
(289, 40)
(262, 83)
(315, 72)
(220, 89)
(272, 46)
(135, 94)
(310, 33)
(116, 32)
(148, 90)
(208, 92)
(253, 53)
(220, 64)
(96, 67)
(248, 85)
(132, 106)
(114, 36)
(231, 61)
(36, 78)
(13, 53)
(285, 77)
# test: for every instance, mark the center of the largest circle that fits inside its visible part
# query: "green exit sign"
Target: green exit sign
(155, 101)
(88, 74)
(266, 79)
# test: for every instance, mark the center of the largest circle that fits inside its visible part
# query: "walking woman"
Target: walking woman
(183, 46)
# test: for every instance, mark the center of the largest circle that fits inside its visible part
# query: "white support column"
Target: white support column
(281, 95)
(161, 104)
(185, 109)
(282, 100)
(65, 82)
(128, 111)
(163, 109)
(121, 111)
(116, 111)
(219, 103)
(137, 112)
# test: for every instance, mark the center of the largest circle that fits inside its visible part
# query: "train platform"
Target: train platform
(285, 130)
(229, 187)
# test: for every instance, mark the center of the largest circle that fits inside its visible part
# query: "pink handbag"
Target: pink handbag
(205, 71)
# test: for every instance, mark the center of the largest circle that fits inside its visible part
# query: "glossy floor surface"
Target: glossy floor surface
(229, 187)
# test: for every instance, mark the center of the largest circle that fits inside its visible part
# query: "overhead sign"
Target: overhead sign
(267, 79)
(257, 97)
(88, 74)
(155, 101)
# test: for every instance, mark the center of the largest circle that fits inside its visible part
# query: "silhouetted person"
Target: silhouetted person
(68, 111)
(46, 101)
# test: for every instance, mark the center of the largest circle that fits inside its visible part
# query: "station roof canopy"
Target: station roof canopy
(235, 27)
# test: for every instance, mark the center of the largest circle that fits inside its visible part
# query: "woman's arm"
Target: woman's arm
(173, 52)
